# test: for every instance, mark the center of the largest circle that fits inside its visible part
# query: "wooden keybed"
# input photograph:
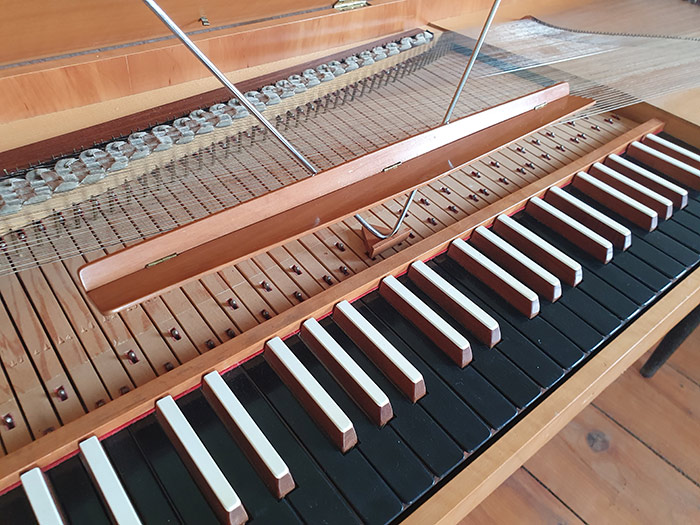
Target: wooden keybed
(72, 334)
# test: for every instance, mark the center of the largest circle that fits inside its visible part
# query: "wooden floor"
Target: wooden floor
(633, 456)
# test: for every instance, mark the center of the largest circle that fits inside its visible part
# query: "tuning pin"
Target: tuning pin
(175, 333)
(265, 314)
(445, 190)
(296, 269)
(298, 296)
(266, 286)
(340, 246)
(131, 356)
(168, 366)
(328, 279)
(9, 421)
(424, 201)
(452, 208)
(210, 344)
(432, 221)
(61, 393)
(476, 174)
(344, 270)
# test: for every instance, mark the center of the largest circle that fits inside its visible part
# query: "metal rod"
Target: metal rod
(226, 82)
(472, 60)
(381, 235)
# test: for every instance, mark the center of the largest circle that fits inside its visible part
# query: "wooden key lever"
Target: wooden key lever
(169, 260)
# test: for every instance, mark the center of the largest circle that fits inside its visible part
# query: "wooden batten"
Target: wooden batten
(119, 412)
(131, 276)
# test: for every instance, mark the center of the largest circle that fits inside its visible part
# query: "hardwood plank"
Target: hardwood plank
(660, 412)
(624, 481)
(521, 499)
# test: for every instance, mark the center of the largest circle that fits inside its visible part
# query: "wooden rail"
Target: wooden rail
(62, 442)
(162, 263)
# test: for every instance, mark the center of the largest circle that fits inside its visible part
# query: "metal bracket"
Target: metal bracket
(381, 235)
(347, 5)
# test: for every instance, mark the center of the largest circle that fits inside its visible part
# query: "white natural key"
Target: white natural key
(669, 166)
(317, 402)
(383, 354)
(212, 482)
(572, 229)
(449, 340)
(520, 266)
(484, 327)
(672, 150)
(347, 372)
(101, 471)
(534, 246)
(40, 498)
(613, 199)
(260, 452)
(677, 195)
(501, 282)
(657, 202)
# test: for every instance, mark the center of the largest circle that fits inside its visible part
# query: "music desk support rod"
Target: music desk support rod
(226, 82)
(446, 120)
(472, 60)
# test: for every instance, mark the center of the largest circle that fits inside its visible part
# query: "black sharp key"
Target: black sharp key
(635, 290)
(579, 331)
(257, 499)
(364, 489)
(420, 432)
(384, 449)
(76, 493)
(488, 402)
(590, 311)
(314, 498)
(15, 508)
(542, 334)
(443, 404)
(638, 268)
(680, 232)
(693, 207)
(140, 484)
(186, 498)
(490, 363)
(656, 258)
(608, 296)
(671, 247)
(688, 220)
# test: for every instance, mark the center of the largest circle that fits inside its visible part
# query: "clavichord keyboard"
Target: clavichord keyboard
(362, 414)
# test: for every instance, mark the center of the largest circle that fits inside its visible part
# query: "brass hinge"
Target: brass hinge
(347, 5)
